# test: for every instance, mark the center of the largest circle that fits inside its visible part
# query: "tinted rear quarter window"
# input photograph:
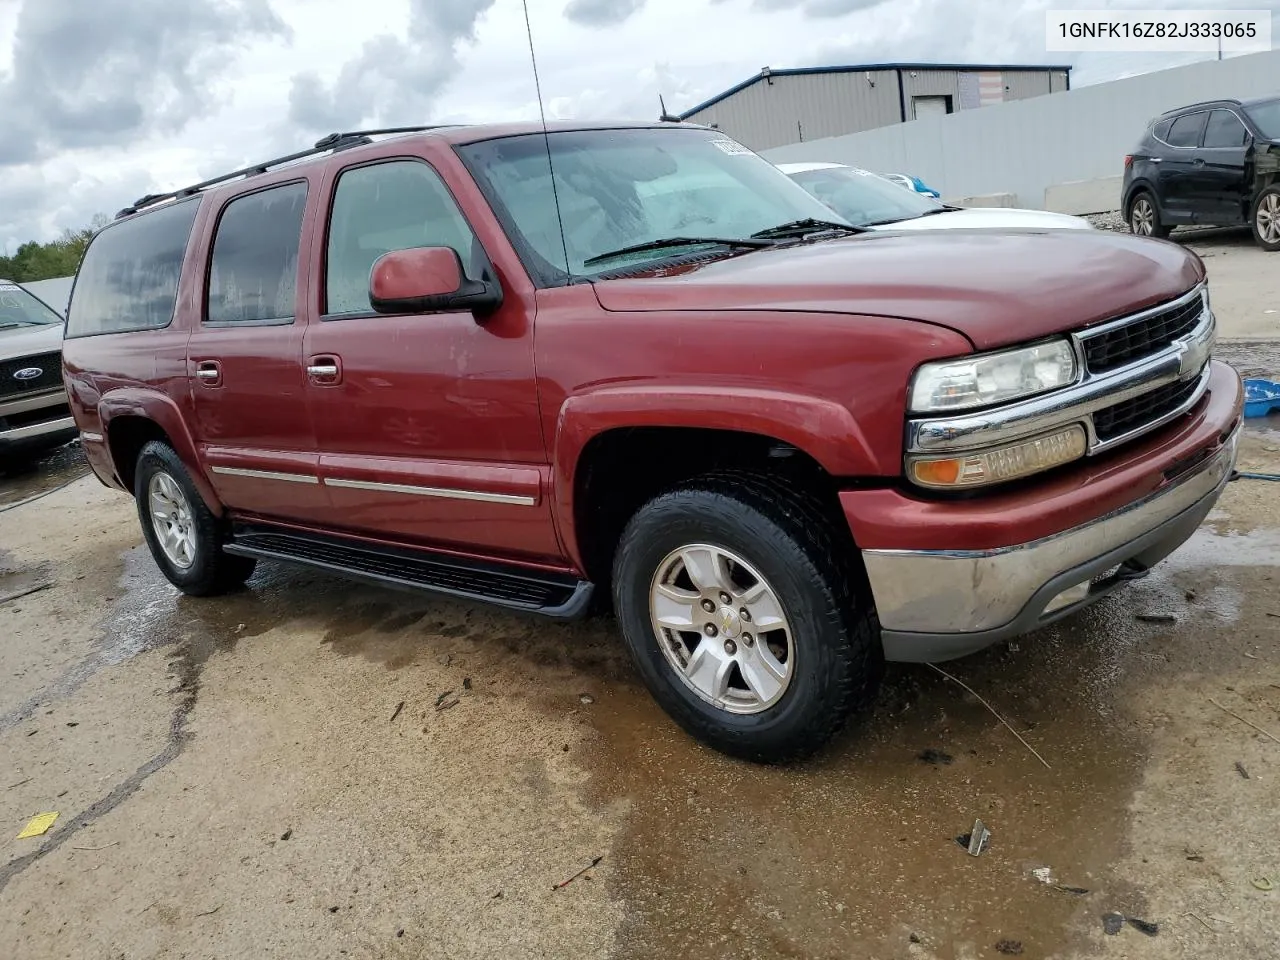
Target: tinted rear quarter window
(1224, 130)
(1266, 117)
(129, 277)
(1161, 130)
(253, 273)
(1185, 131)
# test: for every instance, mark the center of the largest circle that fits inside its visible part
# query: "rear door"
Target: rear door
(427, 423)
(245, 360)
(1176, 176)
(1219, 189)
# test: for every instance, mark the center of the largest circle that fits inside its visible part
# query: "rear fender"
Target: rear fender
(821, 428)
(161, 410)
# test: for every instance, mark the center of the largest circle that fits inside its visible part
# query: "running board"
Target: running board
(559, 596)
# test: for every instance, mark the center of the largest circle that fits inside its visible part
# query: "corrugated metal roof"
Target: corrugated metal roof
(859, 68)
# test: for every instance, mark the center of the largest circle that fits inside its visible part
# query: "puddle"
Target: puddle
(42, 476)
(855, 853)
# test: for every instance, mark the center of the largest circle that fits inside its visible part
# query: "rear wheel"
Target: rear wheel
(184, 537)
(745, 618)
(1266, 219)
(1144, 217)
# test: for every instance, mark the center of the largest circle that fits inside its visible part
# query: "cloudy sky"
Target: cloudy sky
(102, 101)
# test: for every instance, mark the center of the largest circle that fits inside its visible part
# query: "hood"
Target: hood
(995, 288)
(28, 341)
(989, 218)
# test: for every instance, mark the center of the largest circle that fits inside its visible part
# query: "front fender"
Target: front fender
(820, 427)
(161, 410)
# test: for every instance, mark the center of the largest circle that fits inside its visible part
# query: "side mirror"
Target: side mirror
(425, 280)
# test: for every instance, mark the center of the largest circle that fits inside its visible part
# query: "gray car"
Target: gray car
(34, 415)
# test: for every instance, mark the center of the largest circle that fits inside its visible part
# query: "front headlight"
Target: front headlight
(970, 382)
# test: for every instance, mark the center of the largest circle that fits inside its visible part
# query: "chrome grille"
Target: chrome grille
(1147, 334)
(1110, 423)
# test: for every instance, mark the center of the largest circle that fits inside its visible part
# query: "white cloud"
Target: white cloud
(209, 85)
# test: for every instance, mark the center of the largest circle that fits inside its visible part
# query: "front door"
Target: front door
(427, 423)
(244, 362)
(1219, 191)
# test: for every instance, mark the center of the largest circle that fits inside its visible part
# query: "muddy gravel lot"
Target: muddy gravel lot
(310, 768)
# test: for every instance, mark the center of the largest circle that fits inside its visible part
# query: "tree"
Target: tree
(57, 258)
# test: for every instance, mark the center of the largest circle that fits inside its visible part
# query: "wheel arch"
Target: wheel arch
(133, 417)
(615, 449)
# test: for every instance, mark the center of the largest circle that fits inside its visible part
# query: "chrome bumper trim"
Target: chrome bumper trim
(38, 429)
(962, 591)
(1181, 360)
(33, 401)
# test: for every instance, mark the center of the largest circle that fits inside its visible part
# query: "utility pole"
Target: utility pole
(1219, 48)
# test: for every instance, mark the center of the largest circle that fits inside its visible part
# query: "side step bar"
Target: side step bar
(561, 597)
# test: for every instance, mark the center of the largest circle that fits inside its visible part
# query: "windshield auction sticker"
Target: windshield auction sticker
(1147, 31)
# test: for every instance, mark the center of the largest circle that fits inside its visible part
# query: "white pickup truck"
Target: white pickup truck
(34, 415)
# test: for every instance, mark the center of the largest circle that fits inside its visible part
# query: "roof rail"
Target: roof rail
(1233, 101)
(333, 143)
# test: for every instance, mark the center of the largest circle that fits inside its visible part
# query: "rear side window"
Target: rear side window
(253, 273)
(129, 277)
(1186, 131)
(1161, 130)
(1225, 130)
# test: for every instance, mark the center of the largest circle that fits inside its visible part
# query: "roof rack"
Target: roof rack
(333, 143)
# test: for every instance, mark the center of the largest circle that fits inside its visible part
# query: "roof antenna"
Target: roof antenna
(546, 138)
(666, 117)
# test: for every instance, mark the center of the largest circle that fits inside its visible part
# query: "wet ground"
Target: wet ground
(311, 768)
(31, 478)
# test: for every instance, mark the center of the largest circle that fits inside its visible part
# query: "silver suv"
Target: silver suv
(34, 415)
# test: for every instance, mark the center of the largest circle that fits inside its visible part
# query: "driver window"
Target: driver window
(385, 207)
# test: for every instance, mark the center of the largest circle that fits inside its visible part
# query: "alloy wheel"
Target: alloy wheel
(722, 628)
(1268, 218)
(172, 520)
(1142, 219)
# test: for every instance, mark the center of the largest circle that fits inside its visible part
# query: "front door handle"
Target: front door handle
(1197, 162)
(324, 368)
(209, 372)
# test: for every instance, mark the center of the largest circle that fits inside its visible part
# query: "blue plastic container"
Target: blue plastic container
(1260, 397)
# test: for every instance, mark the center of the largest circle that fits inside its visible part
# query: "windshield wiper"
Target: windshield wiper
(753, 243)
(803, 228)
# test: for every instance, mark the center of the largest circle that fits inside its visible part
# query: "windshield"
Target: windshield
(620, 188)
(862, 197)
(1266, 117)
(20, 309)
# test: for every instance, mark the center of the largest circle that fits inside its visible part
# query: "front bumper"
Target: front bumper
(34, 422)
(939, 604)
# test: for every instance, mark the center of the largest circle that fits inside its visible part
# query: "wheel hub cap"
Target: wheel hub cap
(172, 520)
(722, 629)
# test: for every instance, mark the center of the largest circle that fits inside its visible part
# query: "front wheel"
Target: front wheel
(745, 617)
(1266, 219)
(185, 538)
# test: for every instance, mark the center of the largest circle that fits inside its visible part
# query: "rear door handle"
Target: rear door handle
(1197, 162)
(324, 369)
(209, 372)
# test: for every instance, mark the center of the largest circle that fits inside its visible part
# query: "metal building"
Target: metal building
(780, 107)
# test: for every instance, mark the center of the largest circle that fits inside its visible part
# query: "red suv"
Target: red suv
(637, 363)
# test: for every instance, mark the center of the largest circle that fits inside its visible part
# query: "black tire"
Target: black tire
(210, 571)
(794, 544)
(1142, 201)
(1265, 219)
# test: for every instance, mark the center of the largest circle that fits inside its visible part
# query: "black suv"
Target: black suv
(1213, 164)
